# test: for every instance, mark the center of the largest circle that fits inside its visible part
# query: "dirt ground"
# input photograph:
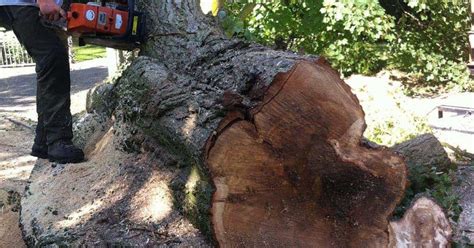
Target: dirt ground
(17, 120)
(382, 100)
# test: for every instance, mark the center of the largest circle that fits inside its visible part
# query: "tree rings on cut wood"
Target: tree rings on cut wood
(293, 173)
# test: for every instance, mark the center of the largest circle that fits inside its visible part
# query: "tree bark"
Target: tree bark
(278, 135)
(424, 151)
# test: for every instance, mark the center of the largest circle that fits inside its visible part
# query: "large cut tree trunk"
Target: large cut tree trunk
(291, 171)
(279, 134)
(272, 139)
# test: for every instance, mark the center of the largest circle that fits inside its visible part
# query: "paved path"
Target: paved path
(456, 129)
(18, 87)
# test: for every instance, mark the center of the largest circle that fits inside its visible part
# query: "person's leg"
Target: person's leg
(5, 19)
(40, 148)
(52, 68)
(53, 76)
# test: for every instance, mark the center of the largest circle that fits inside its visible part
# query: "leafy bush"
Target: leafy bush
(395, 130)
(358, 34)
(431, 43)
(425, 39)
(434, 183)
(282, 24)
(343, 32)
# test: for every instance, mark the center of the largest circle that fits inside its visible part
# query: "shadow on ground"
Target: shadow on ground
(20, 90)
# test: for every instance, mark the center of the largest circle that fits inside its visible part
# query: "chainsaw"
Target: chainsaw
(112, 23)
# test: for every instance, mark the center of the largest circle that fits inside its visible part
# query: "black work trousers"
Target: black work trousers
(52, 69)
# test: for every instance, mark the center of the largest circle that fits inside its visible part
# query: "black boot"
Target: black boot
(40, 148)
(39, 151)
(63, 151)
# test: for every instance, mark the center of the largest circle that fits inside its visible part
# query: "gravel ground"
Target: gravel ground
(456, 129)
(466, 190)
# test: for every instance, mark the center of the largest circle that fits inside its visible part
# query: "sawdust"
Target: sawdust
(114, 198)
(10, 234)
(15, 166)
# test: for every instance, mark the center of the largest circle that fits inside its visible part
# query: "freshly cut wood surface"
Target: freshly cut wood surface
(292, 173)
(423, 225)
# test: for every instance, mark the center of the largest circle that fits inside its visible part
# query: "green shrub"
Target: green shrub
(425, 39)
(352, 34)
(281, 24)
(434, 183)
(432, 44)
(358, 34)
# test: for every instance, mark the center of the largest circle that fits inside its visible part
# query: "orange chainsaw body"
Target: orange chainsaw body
(93, 19)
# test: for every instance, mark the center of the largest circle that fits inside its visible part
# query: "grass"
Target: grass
(88, 52)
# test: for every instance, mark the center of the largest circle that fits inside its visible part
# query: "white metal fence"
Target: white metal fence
(12, 54)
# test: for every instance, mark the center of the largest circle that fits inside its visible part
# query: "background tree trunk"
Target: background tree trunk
(265, 146)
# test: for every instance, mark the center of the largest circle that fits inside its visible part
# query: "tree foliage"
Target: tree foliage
(431, 43)
(425, 39)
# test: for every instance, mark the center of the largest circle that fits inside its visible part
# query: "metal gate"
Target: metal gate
(12, 54)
